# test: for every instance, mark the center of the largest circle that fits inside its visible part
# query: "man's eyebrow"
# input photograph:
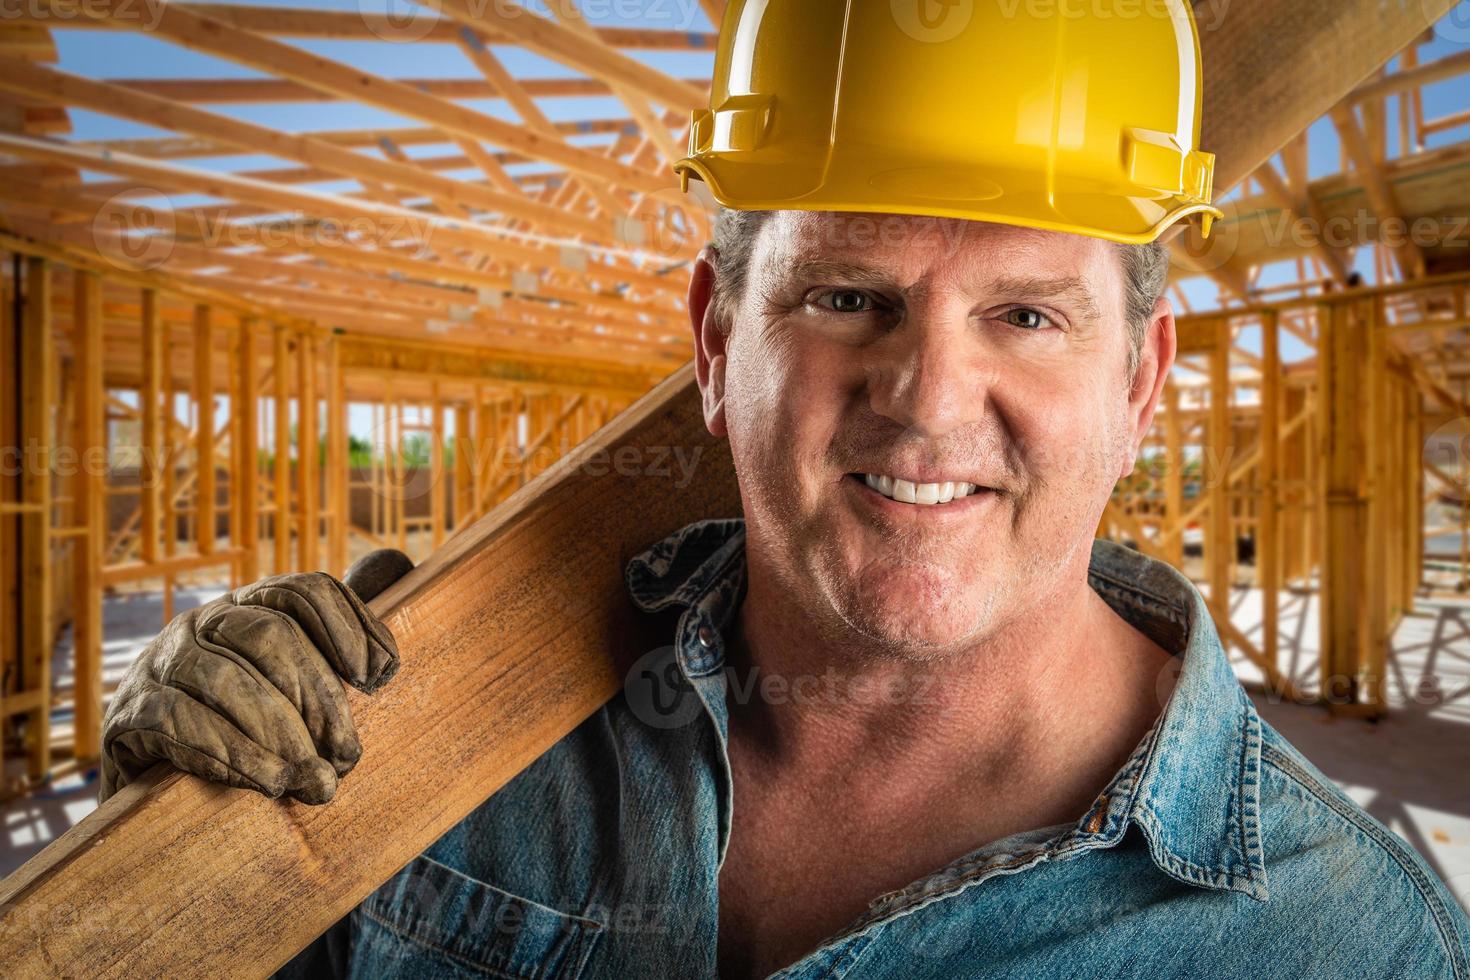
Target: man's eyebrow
(1073, 288)
(833, 270)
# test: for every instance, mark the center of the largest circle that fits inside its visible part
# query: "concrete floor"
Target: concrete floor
(1411, 770)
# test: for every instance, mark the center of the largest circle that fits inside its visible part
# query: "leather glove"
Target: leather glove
(247, 689)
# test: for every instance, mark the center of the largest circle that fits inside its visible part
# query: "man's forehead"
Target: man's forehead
(906, 248)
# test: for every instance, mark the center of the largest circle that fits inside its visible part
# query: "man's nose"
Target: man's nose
(924, 377)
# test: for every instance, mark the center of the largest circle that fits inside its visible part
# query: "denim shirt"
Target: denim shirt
(1217, 850)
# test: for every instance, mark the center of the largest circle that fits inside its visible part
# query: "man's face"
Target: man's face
(873, 349)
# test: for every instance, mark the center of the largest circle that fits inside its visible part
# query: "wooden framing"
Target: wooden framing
(91, 446)
(37, 385)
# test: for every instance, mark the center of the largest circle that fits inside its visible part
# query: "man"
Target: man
(914, 721)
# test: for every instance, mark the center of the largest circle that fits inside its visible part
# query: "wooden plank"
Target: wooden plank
(1173, 543)
(204, 484)
(1377, 414)
(36, 383)
(1219, 453)
(436, 466)
(165, 568)
(463, 466)
(1267, 537)
(91, 504)
(9, 495)
(1341, 366)
(337, 459)
(247, 445)
(281, 451)
(308, 468)
(151, 488)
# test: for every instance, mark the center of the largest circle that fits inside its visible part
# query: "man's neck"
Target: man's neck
(1039, 712)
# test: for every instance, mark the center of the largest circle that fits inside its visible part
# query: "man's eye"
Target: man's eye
(846, 301)
(1026, 319)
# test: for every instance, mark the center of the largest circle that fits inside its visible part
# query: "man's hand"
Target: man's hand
(247, 689)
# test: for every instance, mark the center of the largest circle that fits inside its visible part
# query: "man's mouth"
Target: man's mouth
(907, 491)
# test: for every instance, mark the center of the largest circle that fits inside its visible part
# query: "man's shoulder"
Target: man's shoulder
(1340, 876)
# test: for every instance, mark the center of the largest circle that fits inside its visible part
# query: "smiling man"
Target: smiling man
(926, 435)
(914, 721)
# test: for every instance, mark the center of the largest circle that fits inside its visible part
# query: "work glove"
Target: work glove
(247, 689)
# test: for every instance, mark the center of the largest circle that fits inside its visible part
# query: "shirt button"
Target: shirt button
(706, 637)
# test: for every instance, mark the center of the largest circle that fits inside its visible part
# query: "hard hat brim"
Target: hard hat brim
(1130, 220)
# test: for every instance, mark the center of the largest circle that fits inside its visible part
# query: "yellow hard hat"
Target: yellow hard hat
(1069, 115)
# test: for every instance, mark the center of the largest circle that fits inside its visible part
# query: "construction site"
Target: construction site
(286, 284)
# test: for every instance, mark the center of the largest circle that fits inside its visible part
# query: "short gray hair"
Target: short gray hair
(1145, 276)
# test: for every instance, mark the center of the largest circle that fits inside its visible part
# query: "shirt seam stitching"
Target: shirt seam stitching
(412, 937)
(585, 921)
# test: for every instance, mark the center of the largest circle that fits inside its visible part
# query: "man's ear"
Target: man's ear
(709, 342)
(1156, 359)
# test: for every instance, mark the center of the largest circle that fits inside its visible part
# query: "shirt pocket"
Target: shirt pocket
(432, 921)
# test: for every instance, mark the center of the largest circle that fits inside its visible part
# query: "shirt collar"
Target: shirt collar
(1191, 784)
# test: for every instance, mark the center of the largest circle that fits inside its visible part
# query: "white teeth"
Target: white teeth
(908, 492)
